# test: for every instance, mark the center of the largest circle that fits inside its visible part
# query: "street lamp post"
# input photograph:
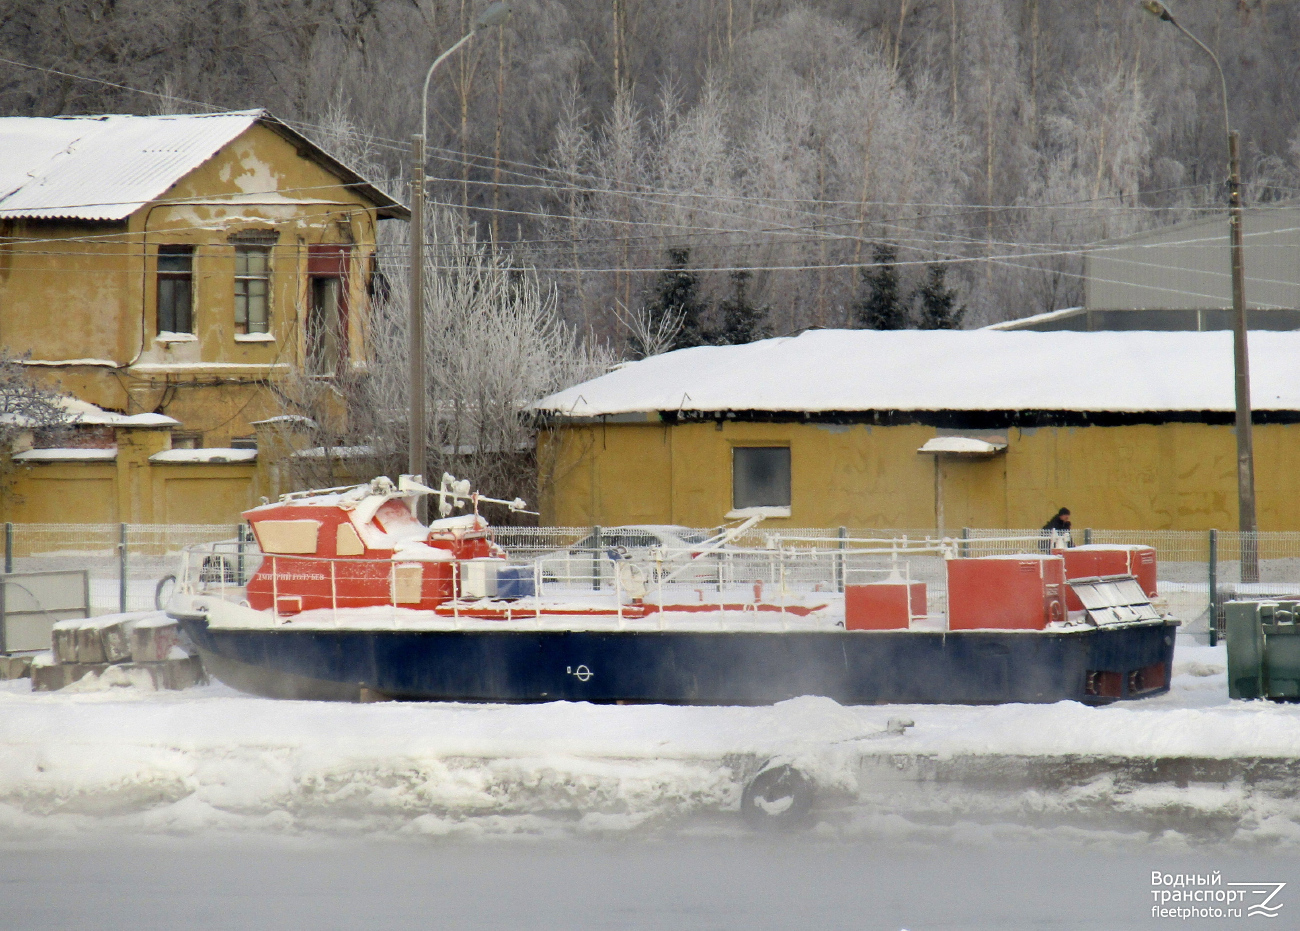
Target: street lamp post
(1240, 354)
(494, 14)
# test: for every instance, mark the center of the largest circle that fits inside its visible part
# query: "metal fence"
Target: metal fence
(125, 561)
(1197, 569)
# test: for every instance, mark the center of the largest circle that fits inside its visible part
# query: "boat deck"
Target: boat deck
(825, 612)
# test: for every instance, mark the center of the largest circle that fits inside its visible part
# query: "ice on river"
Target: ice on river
(123, 759)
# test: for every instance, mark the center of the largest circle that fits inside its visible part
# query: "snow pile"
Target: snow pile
(110, 756)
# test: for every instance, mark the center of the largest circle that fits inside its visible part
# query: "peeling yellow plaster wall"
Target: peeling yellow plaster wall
(88, 291)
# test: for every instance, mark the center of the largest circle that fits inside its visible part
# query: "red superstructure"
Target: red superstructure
(363, 547)
(1104, 559)
(1022, 592)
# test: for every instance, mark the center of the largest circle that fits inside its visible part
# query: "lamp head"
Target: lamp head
(494, 14)
(1158, 9)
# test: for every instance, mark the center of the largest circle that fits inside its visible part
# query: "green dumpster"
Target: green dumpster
(1263, 649)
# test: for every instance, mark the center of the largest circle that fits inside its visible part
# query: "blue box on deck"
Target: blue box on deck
(514, 582)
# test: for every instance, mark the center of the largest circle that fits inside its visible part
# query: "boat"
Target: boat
(344, 594)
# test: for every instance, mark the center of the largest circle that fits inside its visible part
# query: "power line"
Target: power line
(466, 158)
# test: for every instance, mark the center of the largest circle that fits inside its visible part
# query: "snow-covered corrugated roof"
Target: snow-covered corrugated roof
(948, 370)
(206, 454)
(84, 413)
(1065, 313)
(68, 454)
(107, 167)
(961, 446)
(104, 167)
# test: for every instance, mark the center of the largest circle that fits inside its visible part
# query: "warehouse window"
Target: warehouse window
(175, 289)
(252, 289)
(760, 477)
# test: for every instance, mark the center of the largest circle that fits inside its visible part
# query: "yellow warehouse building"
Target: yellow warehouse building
(928, 429)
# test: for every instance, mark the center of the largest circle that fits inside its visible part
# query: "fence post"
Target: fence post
(718, 532)
(121, 568)
(965, 547)
(595, 558)
(4, 587)
(1087, 536)
(1214, 587)
(839, 562)
(239, 556)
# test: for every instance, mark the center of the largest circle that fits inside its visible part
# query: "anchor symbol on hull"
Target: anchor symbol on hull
(582, 673)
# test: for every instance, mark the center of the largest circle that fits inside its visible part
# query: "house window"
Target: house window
(252, 288)
(175, 289)
(760, 476)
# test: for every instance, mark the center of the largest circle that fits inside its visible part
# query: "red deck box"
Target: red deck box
(1022, 592)
(1094, 559)
(883, 605)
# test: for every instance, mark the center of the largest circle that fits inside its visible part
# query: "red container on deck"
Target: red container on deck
(883, 605)
(1022, 592)
(1094, 559)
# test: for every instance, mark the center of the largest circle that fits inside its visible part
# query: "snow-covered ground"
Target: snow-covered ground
(120, 759)
(126, 808)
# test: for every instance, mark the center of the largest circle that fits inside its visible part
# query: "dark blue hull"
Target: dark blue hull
(731, 668)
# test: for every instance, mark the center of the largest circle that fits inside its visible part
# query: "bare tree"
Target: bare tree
(31, 414)
(495, 344)
(773, 136)
(27, 406)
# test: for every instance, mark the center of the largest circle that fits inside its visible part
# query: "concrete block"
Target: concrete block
(90, 646)
(115, 639)
(105, 639)
(60, 675)
(178, 671)
(64, 640)
(49, 678)
(15, 667)
(153, 639)
(175, 674)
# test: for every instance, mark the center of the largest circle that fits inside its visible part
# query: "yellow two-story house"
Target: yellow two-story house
(184, 267)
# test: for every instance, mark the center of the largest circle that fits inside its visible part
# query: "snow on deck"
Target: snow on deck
(938, 370)
(124, 759)
(819, 611)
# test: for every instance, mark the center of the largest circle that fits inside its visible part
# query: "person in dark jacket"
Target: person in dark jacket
(1060, 523)
(1058, 526)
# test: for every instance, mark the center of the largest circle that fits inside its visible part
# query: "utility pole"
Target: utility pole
(493, 15)
(415, 452)
(1246, 522)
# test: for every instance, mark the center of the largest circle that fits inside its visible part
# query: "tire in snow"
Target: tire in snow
(779, 798)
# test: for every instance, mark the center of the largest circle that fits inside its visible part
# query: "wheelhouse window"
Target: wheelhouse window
(175, 289)
(760, 476)
(252, 289)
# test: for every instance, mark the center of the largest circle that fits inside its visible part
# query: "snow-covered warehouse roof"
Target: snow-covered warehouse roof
(108, 167)
(830, 371)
